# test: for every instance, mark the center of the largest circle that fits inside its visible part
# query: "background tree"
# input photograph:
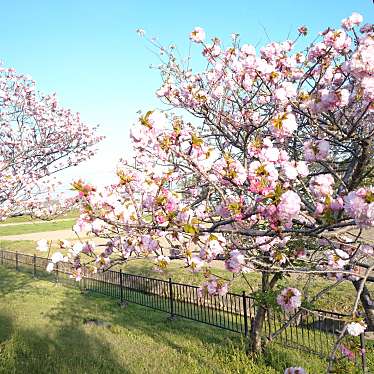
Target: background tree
(38, 138)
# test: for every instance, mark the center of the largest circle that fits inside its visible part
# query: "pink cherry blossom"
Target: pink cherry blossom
(43, 245)
(289, 299)
(337, 259)
(213, 287)
(285, 92)
(360, 206)
(356, 328)
(195, 263)
(346, 352)
(289, 207)
(354, 20)
(316, 150)
(338, 39)
(236, 262)
(197, 35)
(367, 85)
(161, 263)
(284, 124)
(321, 185)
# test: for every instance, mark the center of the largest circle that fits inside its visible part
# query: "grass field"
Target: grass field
(27, 228)
(28, 218)
(42, 331)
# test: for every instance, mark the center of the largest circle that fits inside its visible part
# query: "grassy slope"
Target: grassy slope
(36, 227)
(28, 218)
(41, 331)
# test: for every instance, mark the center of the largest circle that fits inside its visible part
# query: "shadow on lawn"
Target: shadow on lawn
(72, 347)
(6, 328)
(11, 281)
(62, 347)
(32, 351)
(183, 336)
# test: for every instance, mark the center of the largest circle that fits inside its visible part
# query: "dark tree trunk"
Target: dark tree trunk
(368, 305)
(259, 319)
(257, 323)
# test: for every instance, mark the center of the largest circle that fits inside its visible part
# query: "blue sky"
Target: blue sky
(88, 51)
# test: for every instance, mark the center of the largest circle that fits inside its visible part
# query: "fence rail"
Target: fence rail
(311, 331)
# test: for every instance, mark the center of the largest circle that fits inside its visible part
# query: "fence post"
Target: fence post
(245, 314)
(16, 261)
(84, 278)
(80, 284)
(34, 266)
(2, 257)
(363, 353)
(121, 284)
(171, 299)
(56, 273)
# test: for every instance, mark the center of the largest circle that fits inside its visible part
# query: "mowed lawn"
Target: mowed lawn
(27, 228)
(42, 331)
(74, 214)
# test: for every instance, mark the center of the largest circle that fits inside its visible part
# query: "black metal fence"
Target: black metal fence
(310, 331)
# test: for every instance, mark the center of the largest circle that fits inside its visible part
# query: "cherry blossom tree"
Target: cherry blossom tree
(38, 138)
(271, 174)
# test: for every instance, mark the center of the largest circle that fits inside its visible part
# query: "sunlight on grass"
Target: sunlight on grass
(36, 227)
(27, 218)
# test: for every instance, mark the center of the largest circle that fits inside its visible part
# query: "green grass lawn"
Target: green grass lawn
(28, 218)
(42, 331)
(24, 246)
(36, 227)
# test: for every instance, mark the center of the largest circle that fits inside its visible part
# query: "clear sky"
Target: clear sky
(88, 52)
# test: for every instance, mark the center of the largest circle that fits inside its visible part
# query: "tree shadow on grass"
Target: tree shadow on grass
(182, 336)
(6, 327)
(47, 348)
(11, 281)
(71, 351)
(198, 341)
(76, 348)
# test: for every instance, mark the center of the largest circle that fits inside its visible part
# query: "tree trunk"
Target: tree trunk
(368, 305)
(259, 319)
(256, 330)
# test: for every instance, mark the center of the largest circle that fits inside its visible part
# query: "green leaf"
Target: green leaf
(189, 229)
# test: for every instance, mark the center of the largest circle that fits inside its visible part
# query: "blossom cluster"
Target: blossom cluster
(213, 287)
(356, 328)
(360, 206)
(289, 299)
